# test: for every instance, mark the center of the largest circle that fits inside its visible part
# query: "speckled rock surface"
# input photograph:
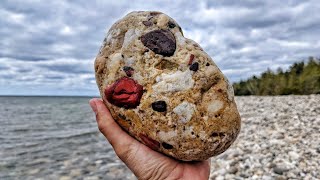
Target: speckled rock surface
(164, 90)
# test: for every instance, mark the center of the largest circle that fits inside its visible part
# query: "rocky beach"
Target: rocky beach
(279, 139)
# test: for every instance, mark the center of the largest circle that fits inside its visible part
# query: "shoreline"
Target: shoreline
(59, 139)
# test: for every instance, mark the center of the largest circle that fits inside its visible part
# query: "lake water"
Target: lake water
(52, 138)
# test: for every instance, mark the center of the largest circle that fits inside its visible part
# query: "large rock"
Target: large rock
(164, 90)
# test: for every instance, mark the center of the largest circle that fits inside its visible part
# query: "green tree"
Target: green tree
(300, 78)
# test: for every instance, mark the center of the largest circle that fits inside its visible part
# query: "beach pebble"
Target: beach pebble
(280, 169)
(293, 155)
(91, 178)
(65, 178)
(75, 172)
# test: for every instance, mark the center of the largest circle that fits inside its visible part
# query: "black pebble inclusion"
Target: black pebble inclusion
(159, 106)
(160, 41)
(194, 66)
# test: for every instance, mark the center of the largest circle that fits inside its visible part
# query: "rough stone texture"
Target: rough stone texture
(201, 119)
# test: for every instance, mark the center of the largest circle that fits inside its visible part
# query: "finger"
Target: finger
(119, 139)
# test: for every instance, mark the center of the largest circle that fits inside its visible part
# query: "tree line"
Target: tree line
(300, 78)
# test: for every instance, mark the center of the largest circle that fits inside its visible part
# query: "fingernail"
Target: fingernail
(93, 106)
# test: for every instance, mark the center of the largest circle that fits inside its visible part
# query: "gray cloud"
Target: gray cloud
(49, 46)
(67, 67)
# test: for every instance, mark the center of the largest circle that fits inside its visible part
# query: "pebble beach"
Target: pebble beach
(279, 139)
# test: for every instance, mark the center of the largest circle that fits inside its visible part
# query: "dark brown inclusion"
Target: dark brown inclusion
(160, 41)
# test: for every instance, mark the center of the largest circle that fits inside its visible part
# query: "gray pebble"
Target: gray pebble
(280, 170)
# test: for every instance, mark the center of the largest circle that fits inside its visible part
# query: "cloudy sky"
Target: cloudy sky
(48, 47)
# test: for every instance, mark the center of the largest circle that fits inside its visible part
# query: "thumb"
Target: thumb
(121, 142)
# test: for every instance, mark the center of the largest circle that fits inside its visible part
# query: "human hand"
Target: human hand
(144, 162)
